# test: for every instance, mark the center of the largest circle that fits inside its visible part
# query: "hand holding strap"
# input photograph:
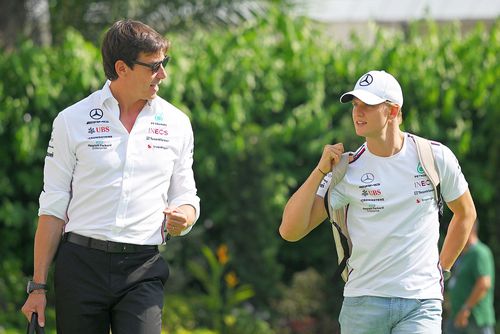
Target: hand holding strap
(339, 170)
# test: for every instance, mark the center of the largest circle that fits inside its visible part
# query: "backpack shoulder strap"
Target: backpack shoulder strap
(337, 219)
(428, 163)
(426, 157)
(337, 174)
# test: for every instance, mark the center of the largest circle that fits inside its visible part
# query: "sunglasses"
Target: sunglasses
(155, 67)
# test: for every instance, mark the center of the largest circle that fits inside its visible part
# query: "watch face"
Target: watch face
(35, 286)
(28, 287)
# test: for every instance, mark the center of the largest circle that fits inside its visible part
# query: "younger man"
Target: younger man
(395, 278)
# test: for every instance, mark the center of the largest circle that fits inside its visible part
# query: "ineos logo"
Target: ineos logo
(367, 178)
(366, 80)
(96, 113)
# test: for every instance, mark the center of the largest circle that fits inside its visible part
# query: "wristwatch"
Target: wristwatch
(32, 286)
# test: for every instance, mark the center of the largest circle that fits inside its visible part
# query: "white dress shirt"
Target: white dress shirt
(109, 184)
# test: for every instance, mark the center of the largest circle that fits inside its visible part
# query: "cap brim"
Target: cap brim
(363, 95)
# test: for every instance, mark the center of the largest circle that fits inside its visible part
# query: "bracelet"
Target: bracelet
(322, 171)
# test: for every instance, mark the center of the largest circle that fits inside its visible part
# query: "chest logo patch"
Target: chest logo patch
(96, 113)
(420, 169)
(367, 178)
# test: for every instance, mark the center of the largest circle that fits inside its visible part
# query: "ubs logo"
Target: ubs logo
(371, 192)
(366, 80)
(367, 178)
(96, 113)
(98, 129)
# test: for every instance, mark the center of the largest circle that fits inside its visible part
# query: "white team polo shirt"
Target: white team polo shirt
(109, 184)
(392, 218)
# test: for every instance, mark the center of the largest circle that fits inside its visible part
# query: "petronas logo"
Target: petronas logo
(420, 169)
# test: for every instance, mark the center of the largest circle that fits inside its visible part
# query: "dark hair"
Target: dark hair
(125, 40)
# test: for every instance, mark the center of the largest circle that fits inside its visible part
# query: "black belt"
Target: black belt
(106, 246)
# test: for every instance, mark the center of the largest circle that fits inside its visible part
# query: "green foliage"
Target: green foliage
(223, 293)
(93, 18)
(179, 316)
(215, 303)
(10, 289)
(255, 99)
(36, 84)
(304, 297)
(243, 321)
(263, 100)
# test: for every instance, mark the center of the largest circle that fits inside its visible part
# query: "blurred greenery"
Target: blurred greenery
(91, 18)
(263, 100)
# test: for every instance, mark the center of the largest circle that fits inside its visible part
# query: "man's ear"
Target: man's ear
(394, 111)
(121, 68)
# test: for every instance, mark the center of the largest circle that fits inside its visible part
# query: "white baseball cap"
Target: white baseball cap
(376, 87)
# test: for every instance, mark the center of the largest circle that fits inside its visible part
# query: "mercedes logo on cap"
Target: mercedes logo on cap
(96, 113)
(367, 178)
(366, 80)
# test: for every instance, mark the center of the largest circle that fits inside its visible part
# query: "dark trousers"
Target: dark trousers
(97, 291)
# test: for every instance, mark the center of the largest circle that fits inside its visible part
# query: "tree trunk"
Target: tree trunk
(38, 21)
(24, 18)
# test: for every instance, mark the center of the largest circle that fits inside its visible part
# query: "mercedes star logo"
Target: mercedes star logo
(367, 178)
(366, 80)
(96, 113)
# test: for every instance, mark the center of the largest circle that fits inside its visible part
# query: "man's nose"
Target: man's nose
(162, 72)
(358, 111)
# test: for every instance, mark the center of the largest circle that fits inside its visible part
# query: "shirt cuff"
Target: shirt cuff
(54, 204)
(194, 202)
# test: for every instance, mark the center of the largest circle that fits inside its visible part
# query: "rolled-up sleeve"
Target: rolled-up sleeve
(182, 188)
(58, 172)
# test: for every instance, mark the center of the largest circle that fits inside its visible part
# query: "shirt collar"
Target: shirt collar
(106, 94)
